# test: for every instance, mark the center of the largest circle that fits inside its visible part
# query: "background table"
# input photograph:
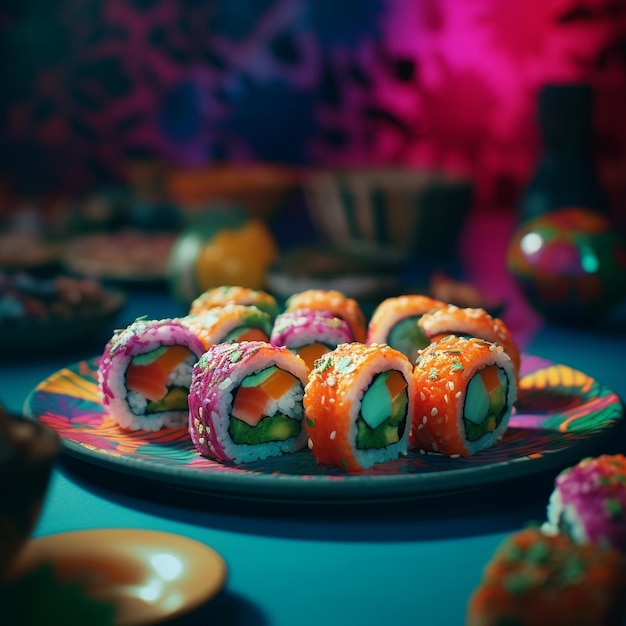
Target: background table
(310, 564)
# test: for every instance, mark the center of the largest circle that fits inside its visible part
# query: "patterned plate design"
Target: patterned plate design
(561, 416)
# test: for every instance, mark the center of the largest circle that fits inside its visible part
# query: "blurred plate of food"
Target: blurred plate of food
(128, 255)
(27, 251)
(41, 315)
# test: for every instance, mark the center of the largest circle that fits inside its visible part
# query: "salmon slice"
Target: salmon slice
(250, 404)
(150, 379)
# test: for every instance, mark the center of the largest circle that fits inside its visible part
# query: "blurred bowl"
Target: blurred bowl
(28, 450)
(259, 187)
(399, 213)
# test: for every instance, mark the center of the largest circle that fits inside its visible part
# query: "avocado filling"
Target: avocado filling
(407, 337)
(485, 402)
(383, 415)
(271, 428)
(266, 407)
(176, 399)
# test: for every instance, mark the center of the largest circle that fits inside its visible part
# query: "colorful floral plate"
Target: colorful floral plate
(561, 416)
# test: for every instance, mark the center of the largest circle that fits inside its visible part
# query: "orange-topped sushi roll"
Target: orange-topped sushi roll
(395, 322)
(234, 294)
(231, 322)
(336, 303)
(465, 390)
(538, 580)
(358, 402)
(470, 322)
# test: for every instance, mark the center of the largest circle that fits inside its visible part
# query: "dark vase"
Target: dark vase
(566, 174)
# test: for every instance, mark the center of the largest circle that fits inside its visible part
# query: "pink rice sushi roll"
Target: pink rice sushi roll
(145, 372)
(588, 502)
(245, 402)
(309, 333)
(334, 301)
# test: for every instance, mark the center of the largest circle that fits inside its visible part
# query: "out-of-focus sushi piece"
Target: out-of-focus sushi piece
(337, 303)
(588, 502)
(235, 294)
(470, 322)
(309, 333)
(395, 322)
(535, 579)
(231, 322)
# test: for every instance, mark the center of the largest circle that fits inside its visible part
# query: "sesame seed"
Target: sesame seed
(422, 396)
(424, 419)
(331, 381)
(309, 443)
(201, 440)
(333, 434)
(446, 399)
(450, 385)
(434, 411)
(435, 446)
(455, 456)
(458, 394)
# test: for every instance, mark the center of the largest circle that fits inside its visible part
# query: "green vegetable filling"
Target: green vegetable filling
(382, 419)
(246, 333)
(407, 337)
(176, 399)
(276, 427)
(485, 402)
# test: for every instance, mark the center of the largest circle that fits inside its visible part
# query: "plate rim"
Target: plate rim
(351, 487)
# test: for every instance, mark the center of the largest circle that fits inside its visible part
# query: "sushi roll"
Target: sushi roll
(231, 322)
(358, 403)
(465, 391)
(470, 322)
(235, 294)
(395, 322)
(145, 372)
(309, 333)
(538, 580)
(245, 402)
(334, 301)
(588, 502)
